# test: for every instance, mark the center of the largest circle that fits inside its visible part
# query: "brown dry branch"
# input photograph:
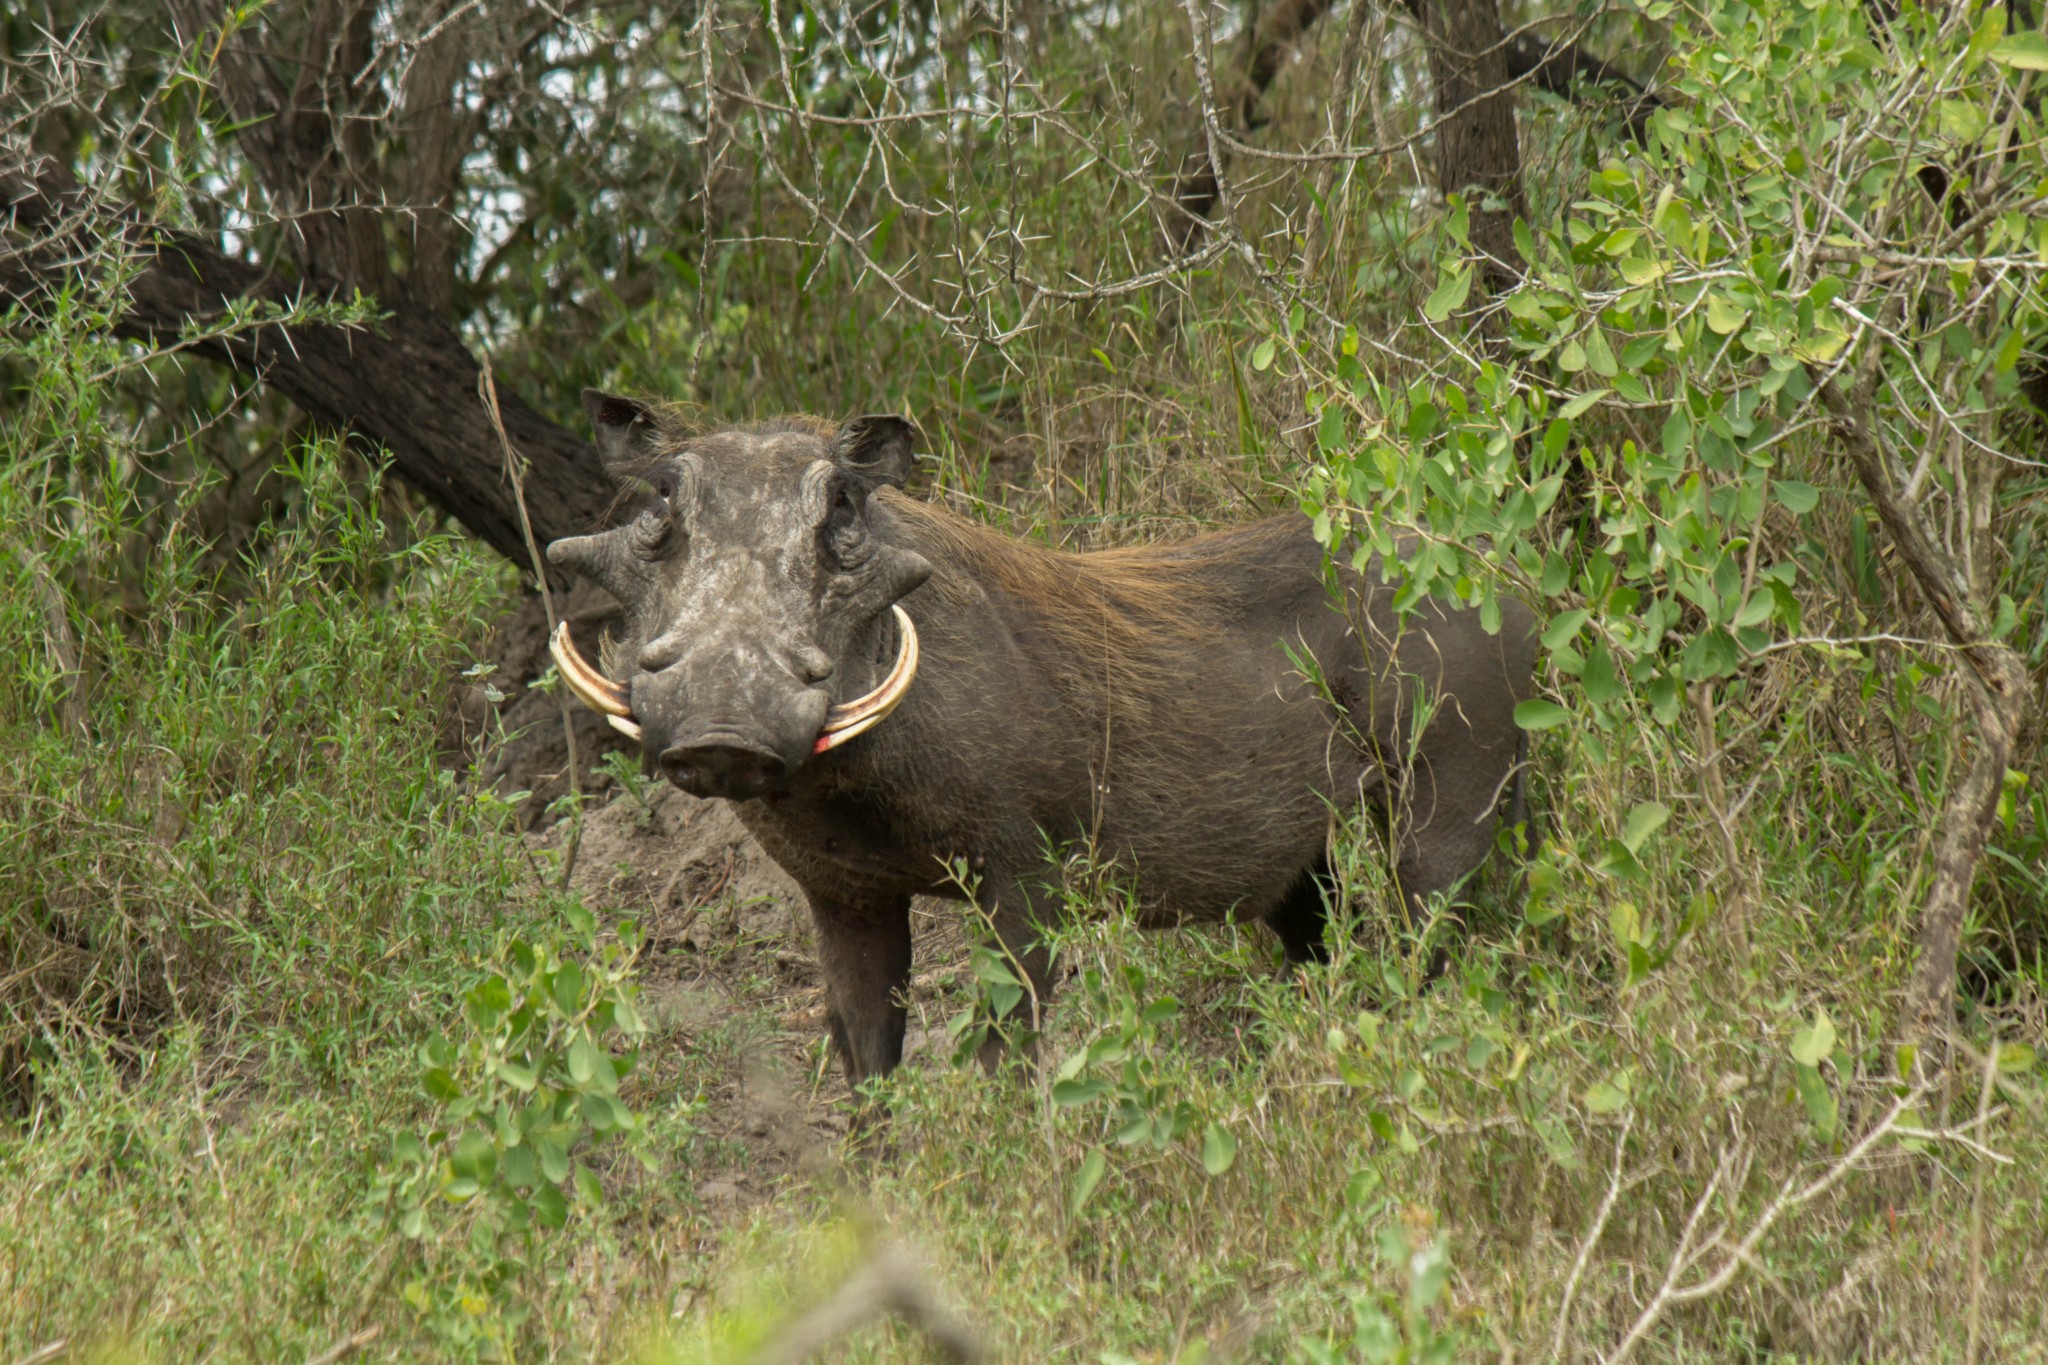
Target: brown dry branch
(1998, 694)
(515, 473)
(1199, 188)
(1729, 1170)
(1714, 788)
(347, 1346)
(47, 1352)
(64, 647)
(406, 385)
(890, 1284)
(1615, 1184)
(1975, 1317)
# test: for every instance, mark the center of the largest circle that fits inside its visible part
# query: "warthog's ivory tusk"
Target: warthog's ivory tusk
(844, 722)
(591, 687)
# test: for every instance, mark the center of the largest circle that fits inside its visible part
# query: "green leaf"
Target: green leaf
(1811, 1045)
(1798, 498)
(1644, 819)
(1609, 1096)
(1330, 433)
(1963, 120)
(1093, 1167)
(1539, 714)
(1572, 358)
(550, 1208)
(1640, 270)
(1537, 906)
(604, 1113)
(1431, 1268)
(475, 1155)
(587, 1188)
(1599, 356)
(1756, 610)
(1725, 315)
(2014, 1057)
(586, 1061)
(1262, 355)
(1598, 678)
(1577, 407)
(2024, 51)
(567, 988)
(1820, 1101)
(1069, 1094)
(1449, 295)
(1565, 627)
(554, 1162)
(1219, 1149)
(517, 1166)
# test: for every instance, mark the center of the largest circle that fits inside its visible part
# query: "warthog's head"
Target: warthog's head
(758, 623)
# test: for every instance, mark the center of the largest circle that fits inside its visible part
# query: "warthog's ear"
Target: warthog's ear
(625, 434)
(877, 447)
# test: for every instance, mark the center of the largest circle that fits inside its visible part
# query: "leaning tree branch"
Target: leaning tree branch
(1198, 188)
(1566, 70)
(1998, 694)
(407, 384)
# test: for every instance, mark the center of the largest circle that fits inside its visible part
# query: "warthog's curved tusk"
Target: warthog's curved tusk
(591, 687)
(844, 722)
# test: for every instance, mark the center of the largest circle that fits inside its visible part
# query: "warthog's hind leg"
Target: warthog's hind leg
(1302, 914)
(1017, 920)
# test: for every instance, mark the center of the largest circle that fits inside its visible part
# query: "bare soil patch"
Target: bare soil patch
(730, 983)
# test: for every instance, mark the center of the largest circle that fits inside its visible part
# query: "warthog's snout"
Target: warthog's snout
(725, 766)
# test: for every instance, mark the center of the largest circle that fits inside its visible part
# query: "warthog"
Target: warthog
(889, 692)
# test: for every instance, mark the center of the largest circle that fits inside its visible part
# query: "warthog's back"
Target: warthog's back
(1191, 712)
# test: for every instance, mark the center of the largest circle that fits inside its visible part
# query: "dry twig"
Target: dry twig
(889, 1284)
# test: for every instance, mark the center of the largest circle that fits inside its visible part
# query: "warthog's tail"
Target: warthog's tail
(1518, 798)
(1527, 834)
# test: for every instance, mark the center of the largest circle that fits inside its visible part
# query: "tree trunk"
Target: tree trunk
(407, 384)
(1477, 152)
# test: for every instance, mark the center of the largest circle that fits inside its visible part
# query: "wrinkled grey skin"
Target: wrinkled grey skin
(757, 583)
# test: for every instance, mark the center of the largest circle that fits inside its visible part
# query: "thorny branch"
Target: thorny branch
(1728, 1171)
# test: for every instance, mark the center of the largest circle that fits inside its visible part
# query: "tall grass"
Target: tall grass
(240, 886)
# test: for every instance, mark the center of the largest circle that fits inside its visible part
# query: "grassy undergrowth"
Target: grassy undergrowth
(1219, 1162)
(266, 962)
(243, 892)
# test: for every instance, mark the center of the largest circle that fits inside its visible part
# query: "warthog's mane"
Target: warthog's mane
(1127, 628)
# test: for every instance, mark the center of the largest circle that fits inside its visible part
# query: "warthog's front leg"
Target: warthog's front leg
(865, 952)
(1448, 807)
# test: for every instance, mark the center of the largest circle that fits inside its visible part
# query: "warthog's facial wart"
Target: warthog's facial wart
(754, 594)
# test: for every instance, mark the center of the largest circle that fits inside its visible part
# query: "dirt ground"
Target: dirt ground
(728, 973)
